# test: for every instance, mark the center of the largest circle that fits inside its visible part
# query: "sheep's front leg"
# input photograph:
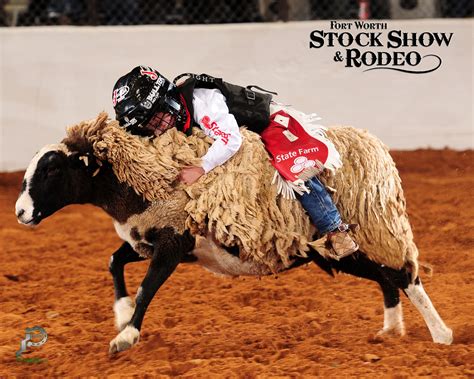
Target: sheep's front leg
(123, 306)
(169, 248)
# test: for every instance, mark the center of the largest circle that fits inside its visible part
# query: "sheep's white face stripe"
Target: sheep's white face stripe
(25, 203)
(439, 331)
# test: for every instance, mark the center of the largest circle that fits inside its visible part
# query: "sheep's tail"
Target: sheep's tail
(427, 268)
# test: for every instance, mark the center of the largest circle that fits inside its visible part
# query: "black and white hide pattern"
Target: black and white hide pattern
(59, 175)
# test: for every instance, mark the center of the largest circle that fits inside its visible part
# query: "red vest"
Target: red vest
(292, 150)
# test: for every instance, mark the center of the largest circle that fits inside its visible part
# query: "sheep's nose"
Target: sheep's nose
(20, 213)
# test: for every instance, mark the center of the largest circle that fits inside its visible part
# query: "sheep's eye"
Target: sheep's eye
(53, 172)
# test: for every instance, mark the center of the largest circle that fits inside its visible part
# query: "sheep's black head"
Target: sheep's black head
(50, 183)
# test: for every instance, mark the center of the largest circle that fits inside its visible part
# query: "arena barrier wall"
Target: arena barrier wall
(52, 77)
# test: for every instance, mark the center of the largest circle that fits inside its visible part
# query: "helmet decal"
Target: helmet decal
(119, 94)
(152, 74)
(129, 122)
(155, 91)
(147, 104)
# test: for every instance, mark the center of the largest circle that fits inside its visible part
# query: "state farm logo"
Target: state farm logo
(301, 163)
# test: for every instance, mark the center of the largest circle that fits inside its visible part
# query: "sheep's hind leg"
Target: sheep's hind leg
(388, 279)
(124, 305)
(169, 249)
(438, 329)
(417, 295)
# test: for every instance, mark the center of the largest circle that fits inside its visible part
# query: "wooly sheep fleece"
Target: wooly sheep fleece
(236, 203)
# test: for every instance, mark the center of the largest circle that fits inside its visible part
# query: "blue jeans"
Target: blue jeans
(320, 207)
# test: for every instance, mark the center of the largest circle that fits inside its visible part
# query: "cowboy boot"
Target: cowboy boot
(341, 242)
(336, 244)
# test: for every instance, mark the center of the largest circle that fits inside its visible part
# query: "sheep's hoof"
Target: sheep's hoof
(444, 337)
(124, 340)
(123, 309)
(395, 331)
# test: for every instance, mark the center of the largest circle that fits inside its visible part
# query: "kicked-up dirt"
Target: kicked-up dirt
(302, 323)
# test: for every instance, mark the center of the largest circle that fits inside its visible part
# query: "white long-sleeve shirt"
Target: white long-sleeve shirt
(212, 115)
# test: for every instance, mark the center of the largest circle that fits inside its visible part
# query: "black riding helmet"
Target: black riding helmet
(140, 94)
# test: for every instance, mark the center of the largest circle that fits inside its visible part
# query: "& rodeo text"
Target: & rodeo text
(353, 35)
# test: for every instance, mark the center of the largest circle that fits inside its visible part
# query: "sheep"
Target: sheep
(231, 221)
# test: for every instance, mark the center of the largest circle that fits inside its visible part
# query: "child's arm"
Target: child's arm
(212, 115)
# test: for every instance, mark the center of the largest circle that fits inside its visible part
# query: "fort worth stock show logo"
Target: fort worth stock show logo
(358, 37)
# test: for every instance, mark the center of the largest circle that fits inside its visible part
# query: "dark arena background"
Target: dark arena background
(59, 60)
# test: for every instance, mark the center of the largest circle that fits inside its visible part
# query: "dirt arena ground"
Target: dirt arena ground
(300, 324)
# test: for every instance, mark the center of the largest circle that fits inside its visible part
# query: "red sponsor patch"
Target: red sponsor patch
(291, 148)
(212, 126)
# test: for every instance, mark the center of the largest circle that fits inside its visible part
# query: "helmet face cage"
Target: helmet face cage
(160, 123)
(139, 95)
